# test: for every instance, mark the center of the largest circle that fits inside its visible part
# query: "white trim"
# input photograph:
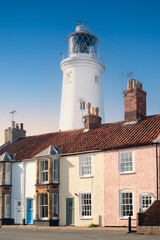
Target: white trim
(120, 202)
(119, 162)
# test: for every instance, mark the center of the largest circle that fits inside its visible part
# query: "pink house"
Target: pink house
(131, 179)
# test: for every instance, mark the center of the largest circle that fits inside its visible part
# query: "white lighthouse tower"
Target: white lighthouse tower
(82, 79)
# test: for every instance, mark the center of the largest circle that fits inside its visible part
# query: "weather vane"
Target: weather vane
(13, 112)
(81, 22)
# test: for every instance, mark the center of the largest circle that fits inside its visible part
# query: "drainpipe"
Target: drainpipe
(157, 166)
(23, 194)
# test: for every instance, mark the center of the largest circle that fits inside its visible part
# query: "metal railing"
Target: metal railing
(92, 56)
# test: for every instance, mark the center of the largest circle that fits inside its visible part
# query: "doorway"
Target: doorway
(18, 211)
(29, 211)
(70, 211)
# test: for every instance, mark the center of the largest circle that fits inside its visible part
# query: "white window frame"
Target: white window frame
(55, 205)
(0, 173)
(40, 205)
(55, 171)
(82, 160)
(7, 211)
(82, 105)
(121, 204)
(120, 162)
(42, 171)
(8, 168)
(80, 205)
(141, 200)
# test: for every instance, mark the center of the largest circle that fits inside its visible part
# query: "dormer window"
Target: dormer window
(43, 171)
(55, 171)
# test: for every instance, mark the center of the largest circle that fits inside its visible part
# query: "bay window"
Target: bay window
(55, 171)
(43, 206)
(7, 173)
(43, 171)
(7, 206)
(55, 206)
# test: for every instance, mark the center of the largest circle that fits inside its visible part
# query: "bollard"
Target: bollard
(129, 223)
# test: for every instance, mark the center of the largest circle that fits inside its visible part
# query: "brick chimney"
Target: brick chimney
(92, 119)
(14, 132)
(134, 101)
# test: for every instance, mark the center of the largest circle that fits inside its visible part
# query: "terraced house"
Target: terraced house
(90, 172)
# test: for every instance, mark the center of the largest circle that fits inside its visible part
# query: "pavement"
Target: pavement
(69, 233)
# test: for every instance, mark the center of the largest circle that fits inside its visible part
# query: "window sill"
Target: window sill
(86, 176)
(125, 173)
(126, 218)
(86, 218)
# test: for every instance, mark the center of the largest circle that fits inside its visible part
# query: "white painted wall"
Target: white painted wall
(23, 185)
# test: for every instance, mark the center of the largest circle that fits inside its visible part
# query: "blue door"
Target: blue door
(29, 211)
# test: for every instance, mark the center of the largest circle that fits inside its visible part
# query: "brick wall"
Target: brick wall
(151, 217)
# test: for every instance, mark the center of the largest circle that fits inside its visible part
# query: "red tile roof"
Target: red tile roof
(105, 137)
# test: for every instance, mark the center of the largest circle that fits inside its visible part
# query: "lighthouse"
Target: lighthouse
(82, 79)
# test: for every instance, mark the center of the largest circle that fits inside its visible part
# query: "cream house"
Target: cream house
(82, 189)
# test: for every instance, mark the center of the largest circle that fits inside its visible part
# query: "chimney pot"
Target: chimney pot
(97, 111)
(17, 125)
(88, 107)
(92, 120)
(21, 126)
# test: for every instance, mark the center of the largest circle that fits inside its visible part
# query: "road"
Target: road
(58, 234)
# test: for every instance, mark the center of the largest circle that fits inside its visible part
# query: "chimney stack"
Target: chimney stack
(21, 126)
(15, 132)
(134, 101)
(92, 119)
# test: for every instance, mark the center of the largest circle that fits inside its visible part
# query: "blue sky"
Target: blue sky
(33, 34)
